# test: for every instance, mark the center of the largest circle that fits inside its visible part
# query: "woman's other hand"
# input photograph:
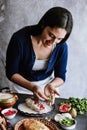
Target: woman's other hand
(50, 91)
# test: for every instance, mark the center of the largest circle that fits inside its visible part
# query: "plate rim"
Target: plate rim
(35, 114)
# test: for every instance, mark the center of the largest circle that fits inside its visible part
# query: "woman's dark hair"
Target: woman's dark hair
(56, 17)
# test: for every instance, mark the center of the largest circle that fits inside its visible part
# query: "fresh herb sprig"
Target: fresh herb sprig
(49, 100)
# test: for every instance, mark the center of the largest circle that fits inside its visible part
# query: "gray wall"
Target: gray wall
(15, 14)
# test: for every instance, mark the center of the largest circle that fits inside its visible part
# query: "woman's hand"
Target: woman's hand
(37, 91)
(50, 91)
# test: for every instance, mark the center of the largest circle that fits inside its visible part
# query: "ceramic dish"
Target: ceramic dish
(7, 99)
(71, 127)
(9, 113)
(59, 116)
(50, 125)
(66, 121)
(24, 109)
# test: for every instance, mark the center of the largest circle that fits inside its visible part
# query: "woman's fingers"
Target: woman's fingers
(56, 92)
(40, 95)
(53, 98)
(47, 91)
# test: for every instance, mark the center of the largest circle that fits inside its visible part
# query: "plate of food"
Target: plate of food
(35, 124)
(35, 107)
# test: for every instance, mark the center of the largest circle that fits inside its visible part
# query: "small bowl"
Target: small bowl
(9, 113)
(70, 127)
(59, 116)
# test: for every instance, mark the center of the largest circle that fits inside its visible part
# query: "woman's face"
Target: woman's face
(51, 36)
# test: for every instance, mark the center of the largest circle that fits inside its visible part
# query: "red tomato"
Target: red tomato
(41, 106)
(9, 113)
(64, 108)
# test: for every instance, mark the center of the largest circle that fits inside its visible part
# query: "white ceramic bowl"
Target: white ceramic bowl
(59, 117)
(9, 113)
(71, 127)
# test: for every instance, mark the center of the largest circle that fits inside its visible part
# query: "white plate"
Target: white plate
(26, 110)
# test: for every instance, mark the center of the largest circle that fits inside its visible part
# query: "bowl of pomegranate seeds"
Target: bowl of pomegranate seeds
(9, 113)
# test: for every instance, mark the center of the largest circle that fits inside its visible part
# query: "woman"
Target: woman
(36, 56)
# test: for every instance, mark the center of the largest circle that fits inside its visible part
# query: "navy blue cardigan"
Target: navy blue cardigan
(20, 58)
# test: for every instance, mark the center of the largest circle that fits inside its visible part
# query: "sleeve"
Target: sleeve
(12, 57)
(61, 63)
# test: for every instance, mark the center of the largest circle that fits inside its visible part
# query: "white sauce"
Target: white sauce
(5, 96)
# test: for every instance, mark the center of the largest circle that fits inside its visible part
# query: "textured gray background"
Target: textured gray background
(15, 14)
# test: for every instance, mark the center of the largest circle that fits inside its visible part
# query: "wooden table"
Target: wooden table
(81, 119)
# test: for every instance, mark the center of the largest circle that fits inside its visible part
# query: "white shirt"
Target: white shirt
(40, 64)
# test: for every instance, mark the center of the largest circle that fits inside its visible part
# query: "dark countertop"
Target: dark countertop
(81, 119)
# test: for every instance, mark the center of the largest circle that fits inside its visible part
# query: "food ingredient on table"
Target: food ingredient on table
(49, 100)
(33, 124)
(9, 112)
(80, 105)
(59, 116)
(73, 112)
(65, 107)
(67, 121)
(38, 106)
